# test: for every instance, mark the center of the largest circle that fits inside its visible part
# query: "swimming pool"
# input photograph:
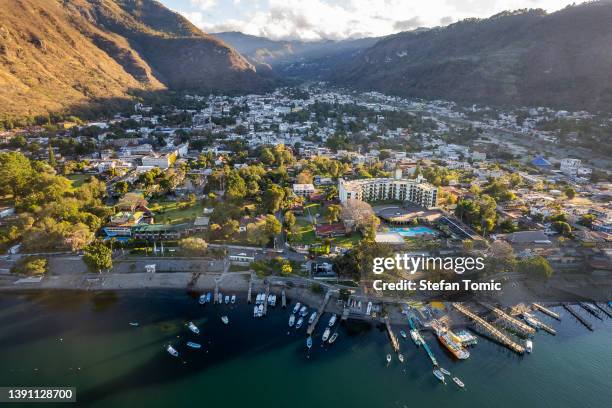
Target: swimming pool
(413, 231)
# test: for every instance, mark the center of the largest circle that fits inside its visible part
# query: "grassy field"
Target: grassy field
(78, 179)
(175, 212)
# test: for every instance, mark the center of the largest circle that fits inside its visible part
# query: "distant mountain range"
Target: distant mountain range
(57, 54)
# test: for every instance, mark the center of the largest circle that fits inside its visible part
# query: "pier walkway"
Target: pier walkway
(603, 310)
(216, 298)
(577, 316)
(265, 302)
(490, 329)
(547, 311)
(284, 298)
(514, 323)
(313, 325)
(392, 337)
(249, 295)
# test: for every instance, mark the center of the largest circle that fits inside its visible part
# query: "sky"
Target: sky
(312, 20)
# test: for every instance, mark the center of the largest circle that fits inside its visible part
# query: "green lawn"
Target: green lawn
(347, 241)
(175, 212)
(78, 179)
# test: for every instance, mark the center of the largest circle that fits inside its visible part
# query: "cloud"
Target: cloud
(446, 20)
(204, 4)
(405, 25)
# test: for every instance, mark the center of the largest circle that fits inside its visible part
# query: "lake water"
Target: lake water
(84, 340)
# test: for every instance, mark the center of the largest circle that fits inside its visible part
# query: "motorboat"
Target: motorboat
(299, 323)
(529, 346)
(416, 337)
(194, 345)
(332, 320)
(233, 300)
(272, 300)
(225, 319)
(403, 334)
(458, 382)
(227, 299)
(444, 371)
(400, 356)
(260, 310)
(291, 320)
(439, 375)
(309, 342)
(220, 297)
(208, 297)
(134, 324)
(255, 311)
(303, 311)
(193, 328)
(388, 358)
(369, 309)
(172, 351)
(296, 308)
(202, 299)
(333, 337)
(312, 318)
(326, 334)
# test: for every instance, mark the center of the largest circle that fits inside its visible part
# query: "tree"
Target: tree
(193, 246)
(30, 265)
(266, 156)
(289, 220)
(236, 187)
(98, 256)
(273, 198)
(15, 173)
(305, 177)
(535, 265)
(587, 220)
(562, 227)
(121, 187)
(570, 192)
(333, 212)
(356, 213)
(286, 269)
(370, 228)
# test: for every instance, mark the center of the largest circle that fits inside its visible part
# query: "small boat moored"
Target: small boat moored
(299, 323)
(309, 342)
(332, 320)
(312, 318)
(291, 320)
(403, 334)
(193, 328)
(172, 351)
(233, 300)
(444, 371)
(227, 299)
(333, 338)
(326, 334)
(400, 356)
(458, 382)
(194, 345)
(225, 319)
(202, 299)
(529, 346)
(303, 311)
(439, 375)
(388, 358)
(296, 308)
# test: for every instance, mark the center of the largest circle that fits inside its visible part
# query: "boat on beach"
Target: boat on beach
(332, 320)
(193, 328)
(172, 351)
(326, 334)
(458, 382)
(333, 338)
(194, 345)
(296, 308)
(225, 319)
(291, 320)
(439, 375)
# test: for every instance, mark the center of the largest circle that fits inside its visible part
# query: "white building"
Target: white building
(570, 166)
(303, 190)
(379, 189)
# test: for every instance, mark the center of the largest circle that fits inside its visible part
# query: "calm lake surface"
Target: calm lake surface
(84, 340)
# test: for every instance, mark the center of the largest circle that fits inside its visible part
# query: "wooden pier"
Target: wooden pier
(216, 298)
(591, 311)
(265, 302)
(547, 311)
(602, 309)
(284, 299)
(578, 317)
(514, 323)
(490, 329)
(392, 337)
(313, 325)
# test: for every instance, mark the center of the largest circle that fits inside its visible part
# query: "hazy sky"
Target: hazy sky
(339, 19)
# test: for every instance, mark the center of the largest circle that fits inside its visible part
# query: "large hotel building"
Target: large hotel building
(380, 189)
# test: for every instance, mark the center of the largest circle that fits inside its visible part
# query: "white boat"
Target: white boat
(529, 346)
(458, 382)
(416, 337)
(369, 308)
(299, 323)
(439, 375)
(233, 299)
(332, 320)
(134, 324)
(219, 297)
(208, 297)
(224, 319)
(333, 337)
(296, 308)
(388, 358)
(194, 345)
(260, 310)
(359, 304)
(227, 299)
(444, 371)
(172, 351)
(291, 320)
(193, 328)
(400, 356)
(312, 318)
(309, 342)
(326, 334)
(403, 334)
(303, 311)
(272, 301)
(202, 299)
(255, 310)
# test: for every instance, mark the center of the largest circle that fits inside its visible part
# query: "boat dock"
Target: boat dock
(392, 336)
(250, 290)
(578, 317)
(345, 314)
(312, 326)
(265, 302)
(602, 309)
(547, 311)
(490, 329)
(430, 353)
(216, 298)
(284, 299)
(514, 323)
(590, 310)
